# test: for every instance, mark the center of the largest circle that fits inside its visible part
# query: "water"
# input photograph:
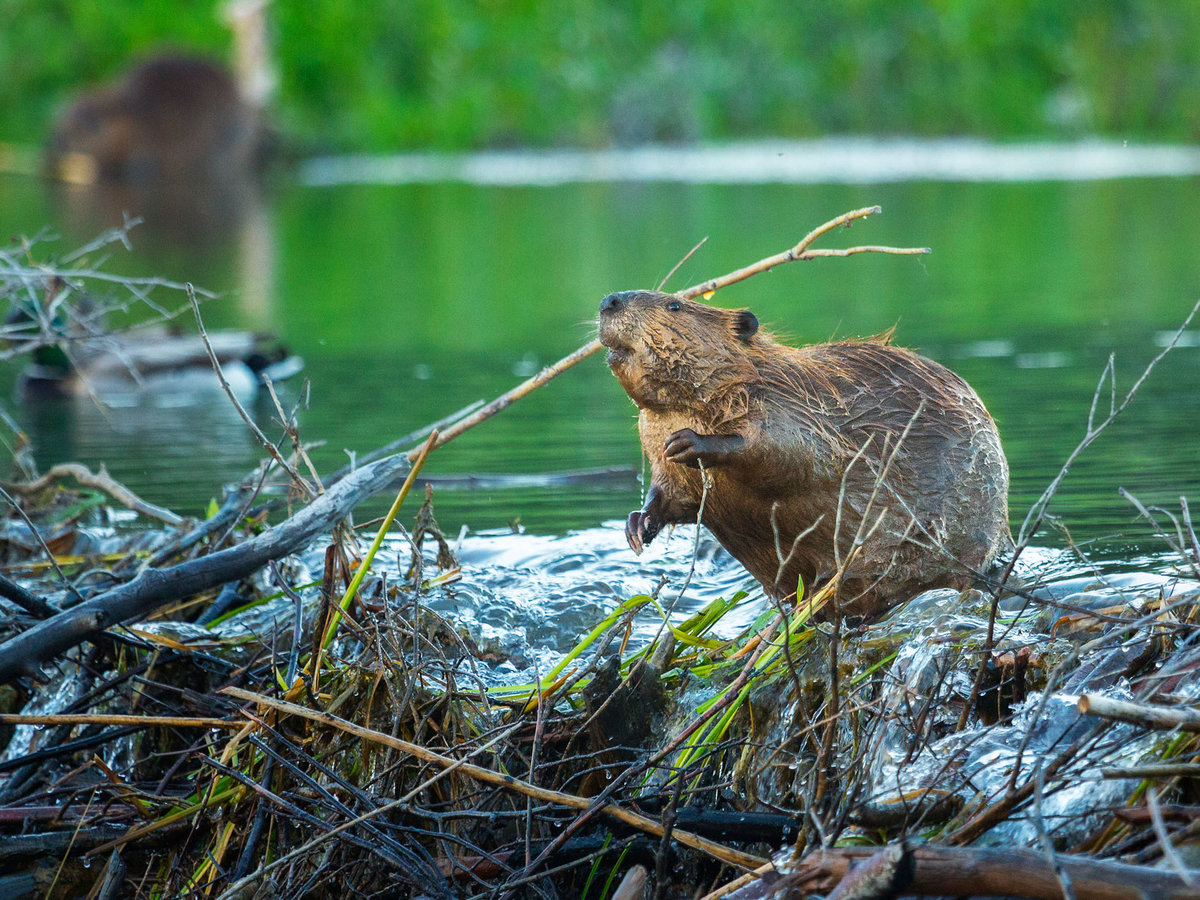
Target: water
(410, 300)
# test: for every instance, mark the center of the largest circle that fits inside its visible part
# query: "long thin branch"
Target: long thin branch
(797, 253)
(296, 477)
(1037, 512)
(801, 252)
(104, 719)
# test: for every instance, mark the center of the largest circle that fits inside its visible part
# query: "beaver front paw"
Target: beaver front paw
(690, 449)
(640, 529)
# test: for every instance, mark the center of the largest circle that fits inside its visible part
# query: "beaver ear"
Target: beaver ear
(745, 324)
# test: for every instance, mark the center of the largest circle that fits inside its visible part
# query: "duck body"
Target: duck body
(156, 362)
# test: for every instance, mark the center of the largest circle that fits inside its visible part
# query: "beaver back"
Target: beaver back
(170, 118)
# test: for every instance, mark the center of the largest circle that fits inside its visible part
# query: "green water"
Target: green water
(408, 302)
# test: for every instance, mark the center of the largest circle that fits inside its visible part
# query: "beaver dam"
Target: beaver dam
(289, 699)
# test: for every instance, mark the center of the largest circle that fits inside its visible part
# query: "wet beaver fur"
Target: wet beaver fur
(807, 448)
(170, 118)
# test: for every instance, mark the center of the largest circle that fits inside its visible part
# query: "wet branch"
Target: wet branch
(155, 588)
(1162, 718)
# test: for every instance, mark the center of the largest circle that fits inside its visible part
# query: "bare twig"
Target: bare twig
(800, 252)
(1164, 718)
(102, 481)
(1037, 512)
(296, 477)
(686, 257)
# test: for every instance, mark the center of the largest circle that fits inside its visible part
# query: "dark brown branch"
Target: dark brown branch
(27, 600)
(155, 588)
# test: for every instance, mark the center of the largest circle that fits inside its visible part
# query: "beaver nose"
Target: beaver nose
(612, 303)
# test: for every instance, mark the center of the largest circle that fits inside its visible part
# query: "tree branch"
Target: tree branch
(155, 588)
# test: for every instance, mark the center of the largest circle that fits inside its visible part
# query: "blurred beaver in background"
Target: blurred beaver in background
(172, 118)
(810, 451)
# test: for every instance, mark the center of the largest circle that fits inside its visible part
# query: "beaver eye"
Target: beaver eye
(674, 306)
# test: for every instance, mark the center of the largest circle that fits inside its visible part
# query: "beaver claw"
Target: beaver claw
(640, 529)
(690, 449)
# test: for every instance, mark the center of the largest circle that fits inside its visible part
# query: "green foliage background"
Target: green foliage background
(395, 74)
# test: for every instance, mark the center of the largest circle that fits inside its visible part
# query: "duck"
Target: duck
(73, 354)
(156, 364)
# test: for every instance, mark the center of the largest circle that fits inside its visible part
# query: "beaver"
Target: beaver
(170, 118)
(809, 451)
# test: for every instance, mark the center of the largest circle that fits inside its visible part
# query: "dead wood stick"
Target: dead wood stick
(801, 252)
(633, 885)
(1165, 770)
(479, 773)
(973, 872)
(510, 397)
(26, 599)
(1162, 718)
(297, 478)
(103, 481)
(101, 719)
(797, 253)
(155, 588)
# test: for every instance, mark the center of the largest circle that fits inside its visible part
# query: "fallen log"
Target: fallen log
(971, 872)
(1165, 718)
(153, 589)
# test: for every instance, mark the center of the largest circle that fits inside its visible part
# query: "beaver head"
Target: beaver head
(673, 353)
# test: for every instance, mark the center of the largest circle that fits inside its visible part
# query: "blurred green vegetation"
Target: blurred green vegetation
(395, 74)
